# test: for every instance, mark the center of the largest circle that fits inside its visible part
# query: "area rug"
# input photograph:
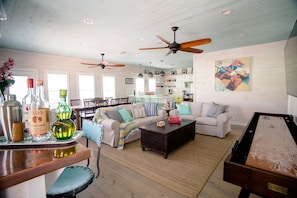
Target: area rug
(186, 169)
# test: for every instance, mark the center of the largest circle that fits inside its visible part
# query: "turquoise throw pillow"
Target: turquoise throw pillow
(125, 115)
(184, 109)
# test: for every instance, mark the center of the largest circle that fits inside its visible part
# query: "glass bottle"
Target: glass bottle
(40, 115)
(28, 99)
(63, 128)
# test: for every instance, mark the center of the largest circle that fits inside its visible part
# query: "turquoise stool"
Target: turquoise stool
(75, 179)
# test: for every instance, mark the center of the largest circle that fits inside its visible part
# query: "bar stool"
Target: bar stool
(75, 179)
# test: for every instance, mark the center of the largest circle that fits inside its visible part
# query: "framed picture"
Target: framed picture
(128, 80)
(233, 74)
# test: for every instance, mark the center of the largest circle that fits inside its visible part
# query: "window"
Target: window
(152, 85)
(86, 86)
(108, 86)
(139, 86)
(19, 88)
(55, 82)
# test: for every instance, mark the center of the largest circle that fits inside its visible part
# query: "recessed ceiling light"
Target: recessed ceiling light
(241, 34)
(226, 11)
(89, 21)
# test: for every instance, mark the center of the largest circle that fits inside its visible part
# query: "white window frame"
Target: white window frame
(78, 84)
(32, 73)
(139, 91)
(103, 90)
(54, 104)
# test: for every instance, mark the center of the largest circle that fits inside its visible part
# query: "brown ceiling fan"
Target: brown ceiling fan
(185, 47)
(103, 64)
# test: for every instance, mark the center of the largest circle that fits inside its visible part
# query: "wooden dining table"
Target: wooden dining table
(28, 171)
(78, 110)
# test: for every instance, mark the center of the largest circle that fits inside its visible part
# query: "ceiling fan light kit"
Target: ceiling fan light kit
(185, 47)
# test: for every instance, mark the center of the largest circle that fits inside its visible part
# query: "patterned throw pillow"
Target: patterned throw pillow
(151, 109)
(184, 109)
(125, 115)
(138, 112)
(114, 114)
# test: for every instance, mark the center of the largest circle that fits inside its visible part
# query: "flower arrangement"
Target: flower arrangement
(6, 79)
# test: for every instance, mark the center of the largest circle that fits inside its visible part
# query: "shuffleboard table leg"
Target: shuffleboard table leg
(244, 193)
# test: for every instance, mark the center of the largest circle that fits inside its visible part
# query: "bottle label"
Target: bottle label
(26, 116)
(39, 121)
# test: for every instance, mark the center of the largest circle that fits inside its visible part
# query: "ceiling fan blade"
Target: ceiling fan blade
(90, 64)
(163, 40)
(195, 43)
(93, 66)
(153, 48)
(193, 50)
(115, 65)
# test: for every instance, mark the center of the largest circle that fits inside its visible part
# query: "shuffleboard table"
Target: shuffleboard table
(264, 159)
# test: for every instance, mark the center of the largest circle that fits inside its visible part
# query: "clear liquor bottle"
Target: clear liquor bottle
(40, 115)
(63, 128)
(28, 99)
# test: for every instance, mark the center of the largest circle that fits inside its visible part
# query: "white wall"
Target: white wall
(267, 81)
(43, 62)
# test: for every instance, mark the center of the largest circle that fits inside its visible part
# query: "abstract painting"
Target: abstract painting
(233, 74)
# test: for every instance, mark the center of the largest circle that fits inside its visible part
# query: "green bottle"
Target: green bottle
(64, 127)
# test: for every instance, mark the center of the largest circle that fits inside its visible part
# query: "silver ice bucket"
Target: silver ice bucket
(10, 112)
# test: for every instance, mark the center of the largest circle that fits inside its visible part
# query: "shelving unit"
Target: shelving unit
(170, 81)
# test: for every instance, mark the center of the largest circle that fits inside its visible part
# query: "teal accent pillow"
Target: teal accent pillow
(126, 117)
(184, 109)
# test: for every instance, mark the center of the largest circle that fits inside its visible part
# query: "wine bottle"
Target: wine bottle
(40, 115)
(28, 99)
(63, 128)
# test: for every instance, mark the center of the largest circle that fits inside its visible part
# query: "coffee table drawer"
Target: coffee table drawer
(154, 141)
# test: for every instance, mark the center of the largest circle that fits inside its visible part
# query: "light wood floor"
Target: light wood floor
(118, 181)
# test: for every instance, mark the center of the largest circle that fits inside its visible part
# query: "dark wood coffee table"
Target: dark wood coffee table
(166, 139)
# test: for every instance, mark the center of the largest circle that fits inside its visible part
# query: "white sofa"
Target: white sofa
(211, 118)
(111, 132)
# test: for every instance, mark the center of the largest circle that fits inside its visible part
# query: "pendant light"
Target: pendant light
(162, 73)
(140, 75)
(150, 74)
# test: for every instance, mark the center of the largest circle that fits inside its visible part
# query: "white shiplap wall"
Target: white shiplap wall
(267, 81)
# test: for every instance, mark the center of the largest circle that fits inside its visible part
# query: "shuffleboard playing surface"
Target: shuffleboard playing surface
(273, 147)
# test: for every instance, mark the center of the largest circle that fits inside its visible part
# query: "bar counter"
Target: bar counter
(21, 165)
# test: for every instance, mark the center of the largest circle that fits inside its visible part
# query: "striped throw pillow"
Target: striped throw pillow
(138, 112)
(151, 109)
